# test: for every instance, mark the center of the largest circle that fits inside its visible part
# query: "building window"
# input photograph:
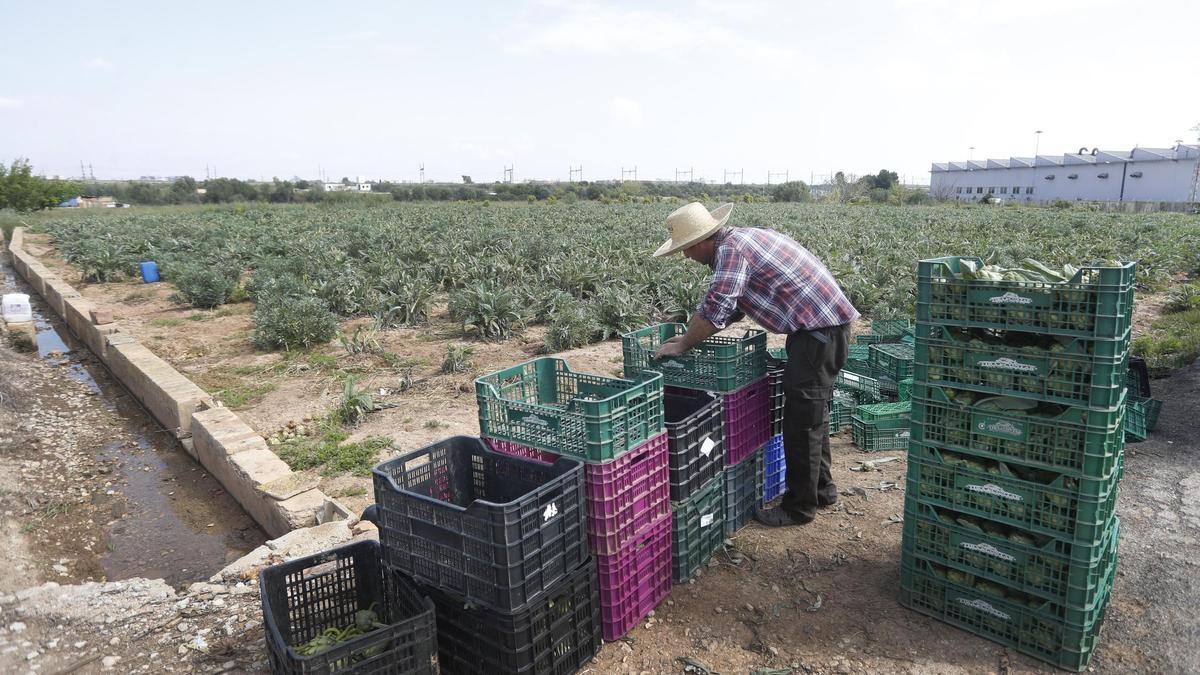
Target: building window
(991, 191)
(960, 190)
(1017, 190)
(978, 190)
(1003, 189)
(1102, 175)
(1028, 190)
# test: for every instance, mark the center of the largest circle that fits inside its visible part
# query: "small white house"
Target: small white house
(1138, 175)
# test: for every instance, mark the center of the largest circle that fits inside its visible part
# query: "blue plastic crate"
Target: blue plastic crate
(775, 469)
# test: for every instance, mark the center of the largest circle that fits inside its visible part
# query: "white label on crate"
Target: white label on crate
(1002, 427)
(988, 549)
(706, 520)
(550, 512)
(903, 434)
(996, 491)
(849, 377)
(984, 606)
(534, 419)
(1005, 363)
(1010, 298)
(671, 364)
(707, 446)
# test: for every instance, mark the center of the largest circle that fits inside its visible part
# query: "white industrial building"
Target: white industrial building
(1139, 175)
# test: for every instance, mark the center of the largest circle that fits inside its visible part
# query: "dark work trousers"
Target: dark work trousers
(814, 359)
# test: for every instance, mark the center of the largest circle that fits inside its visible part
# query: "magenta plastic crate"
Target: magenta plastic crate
(634, 580)
(747, 421)
(624, 496)
(627, 495)
(517, 450)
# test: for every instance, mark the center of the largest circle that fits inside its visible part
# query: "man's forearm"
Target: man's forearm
(699, 329)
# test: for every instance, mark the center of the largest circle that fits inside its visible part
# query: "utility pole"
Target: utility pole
(776, 174)
(508, 174)
(631, 172)
(740, 173)
(422, 179)
(680, 172)
(82, 171)
(572, 171)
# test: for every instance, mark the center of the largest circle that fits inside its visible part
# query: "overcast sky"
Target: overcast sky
(262, 89)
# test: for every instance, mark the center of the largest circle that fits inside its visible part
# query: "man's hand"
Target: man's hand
(673, 347)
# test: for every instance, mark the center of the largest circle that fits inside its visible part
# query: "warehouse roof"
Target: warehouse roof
(1182, 151)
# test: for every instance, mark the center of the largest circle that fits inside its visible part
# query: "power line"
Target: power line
(573, 171)
(680, 172)
(740, 173)
(632, 172)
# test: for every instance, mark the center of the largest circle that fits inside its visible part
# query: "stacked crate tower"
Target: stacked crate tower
(718, 418)
(541, 410)
(1016, 450)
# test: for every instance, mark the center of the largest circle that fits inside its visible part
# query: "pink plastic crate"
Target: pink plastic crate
(627, 495)
(747, 421)
(624, 496)
(517, 450)
(635, 580)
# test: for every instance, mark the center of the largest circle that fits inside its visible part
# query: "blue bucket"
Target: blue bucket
(149, 271)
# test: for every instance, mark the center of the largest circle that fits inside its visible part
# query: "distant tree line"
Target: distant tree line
(21, 190)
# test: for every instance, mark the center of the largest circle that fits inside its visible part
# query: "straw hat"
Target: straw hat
(692, 223)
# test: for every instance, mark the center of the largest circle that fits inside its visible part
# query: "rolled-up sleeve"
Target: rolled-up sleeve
(730, 275)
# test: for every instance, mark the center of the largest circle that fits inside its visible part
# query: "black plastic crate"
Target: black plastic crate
(492, 529)
(303, 598)
(695, 439)
(555, 636)
(743, 491)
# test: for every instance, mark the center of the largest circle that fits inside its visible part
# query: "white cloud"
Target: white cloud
(99, 63)
(7, 103)
(652, 32)
(372, 43)
(626, 112)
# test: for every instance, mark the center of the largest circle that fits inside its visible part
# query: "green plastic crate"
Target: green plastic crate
(1081, 442)
(1051, 569)
(543, 404)
(867, 339)
(1085, 372)
(841, 408)
(891, 328)
(1141, 417)
(697, 529)
(878, 413)
(1096, 303)
(1073, 509)
(1042, 631)
(720, 363)
(870, 438)
(904, 391)
(893, 361)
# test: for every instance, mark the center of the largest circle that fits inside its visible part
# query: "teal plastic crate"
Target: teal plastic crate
(743, 490)
(1072, 509)
(892, 329)
(893, 361)
(1081, 442)
(544, 404)
(721, 363)
(1097, 302)
(697, 529)
(885, 415)
(1081, 372)
(1039, 629)
(841, 409)
(904, 389)
(870, 438)
(1058, 571)
(1141, 417)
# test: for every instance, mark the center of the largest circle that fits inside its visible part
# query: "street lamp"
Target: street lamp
(1037, 143)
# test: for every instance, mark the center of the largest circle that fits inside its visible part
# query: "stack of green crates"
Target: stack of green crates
(1017, 438)
(881, 426)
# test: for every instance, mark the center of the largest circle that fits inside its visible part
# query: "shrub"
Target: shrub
(205, 286)
(354, 404)
(458, 358)
(570, 326)
(1183, 298)
(364, 340)
(492, 311)
(407, 299)
(291, 323)
(618, 309)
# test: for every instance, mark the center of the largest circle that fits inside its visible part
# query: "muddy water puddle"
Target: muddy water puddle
(175, 521)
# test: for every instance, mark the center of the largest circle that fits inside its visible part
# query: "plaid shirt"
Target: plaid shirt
(777, 282)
